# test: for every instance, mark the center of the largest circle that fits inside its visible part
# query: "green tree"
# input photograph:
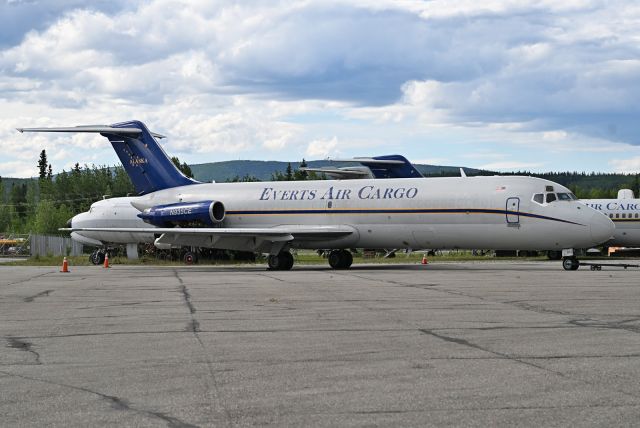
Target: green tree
(49, 218)
(42, 165)
(288, 176)
(299, 174)
(5, 218)
(183, 167)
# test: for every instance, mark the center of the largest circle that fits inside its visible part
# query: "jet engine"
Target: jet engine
(185, 214)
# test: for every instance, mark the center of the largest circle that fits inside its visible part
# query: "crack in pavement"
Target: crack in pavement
(23, 345)
(194, 327)
(613, 325)
(35, 296)
(116, 403)
(28, 279)
(502, 355)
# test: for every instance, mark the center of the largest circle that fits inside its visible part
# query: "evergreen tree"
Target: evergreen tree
(288, 173)
(183, 167)
(42, 165)
(300, 174)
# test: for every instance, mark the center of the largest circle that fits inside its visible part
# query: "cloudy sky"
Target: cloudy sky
(506, 85)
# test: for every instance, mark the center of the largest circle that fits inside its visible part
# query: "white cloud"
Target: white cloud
(322, 148)
(627, 166)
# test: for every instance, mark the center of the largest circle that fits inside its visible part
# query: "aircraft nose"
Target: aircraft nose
(69, 222)
(602, 228)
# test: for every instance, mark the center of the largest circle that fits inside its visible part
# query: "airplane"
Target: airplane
(498, 212)
(625, 214)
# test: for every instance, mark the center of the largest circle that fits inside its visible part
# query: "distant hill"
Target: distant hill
(262, 170)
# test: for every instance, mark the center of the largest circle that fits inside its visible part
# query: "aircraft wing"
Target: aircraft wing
(263, 239)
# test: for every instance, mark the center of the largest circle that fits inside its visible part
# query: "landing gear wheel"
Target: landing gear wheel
(340, 259)
(97, 257)
(281, 261)
(286, 261)
(190, 258)
(570, 263)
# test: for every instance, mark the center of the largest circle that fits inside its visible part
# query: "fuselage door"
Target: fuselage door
(513, 208)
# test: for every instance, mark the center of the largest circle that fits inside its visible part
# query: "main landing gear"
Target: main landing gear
(340, 259)
(281, 261)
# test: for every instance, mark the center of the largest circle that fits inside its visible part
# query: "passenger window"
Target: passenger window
(539, 198)
(623, 215)
(564, 197)
(636, 215)
(617, 215)
(610, 215)
(551, 197)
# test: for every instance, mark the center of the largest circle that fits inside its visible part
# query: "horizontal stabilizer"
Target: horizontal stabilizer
(98, 129)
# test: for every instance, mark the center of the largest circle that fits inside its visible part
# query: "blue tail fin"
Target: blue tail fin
(148, 166)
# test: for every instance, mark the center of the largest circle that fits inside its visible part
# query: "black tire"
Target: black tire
(98, 258)
(570, 263)
(93, 258)
(285, 260)
(273, 262)
(335, 259)
(348, 259)
(190, 258)
(281, 261)
(340, 259)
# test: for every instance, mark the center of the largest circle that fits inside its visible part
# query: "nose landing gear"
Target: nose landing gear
(97, 257)
(570, 263)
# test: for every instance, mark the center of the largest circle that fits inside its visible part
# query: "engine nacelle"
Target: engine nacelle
(185, 214)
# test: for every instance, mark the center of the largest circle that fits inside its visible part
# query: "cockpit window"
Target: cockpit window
(551, 197)
(539, 198)
(564, 197)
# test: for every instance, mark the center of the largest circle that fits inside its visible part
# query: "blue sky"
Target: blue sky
(503, 85)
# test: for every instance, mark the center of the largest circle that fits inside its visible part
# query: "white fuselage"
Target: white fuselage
(625, 214)
(458, 212)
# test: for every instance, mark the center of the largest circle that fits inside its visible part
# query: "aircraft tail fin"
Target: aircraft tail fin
(144, 160)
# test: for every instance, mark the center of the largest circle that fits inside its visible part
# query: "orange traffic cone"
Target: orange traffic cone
(106, 261)
(65, 266)
(424, 259)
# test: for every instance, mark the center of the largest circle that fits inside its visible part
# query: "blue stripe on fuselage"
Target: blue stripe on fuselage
(399, 211)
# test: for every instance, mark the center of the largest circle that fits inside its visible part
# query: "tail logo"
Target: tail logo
(137, 160)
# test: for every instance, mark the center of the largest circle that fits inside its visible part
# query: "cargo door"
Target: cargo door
(513, 210)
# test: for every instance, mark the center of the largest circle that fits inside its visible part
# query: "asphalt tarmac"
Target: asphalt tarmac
(463, 344)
